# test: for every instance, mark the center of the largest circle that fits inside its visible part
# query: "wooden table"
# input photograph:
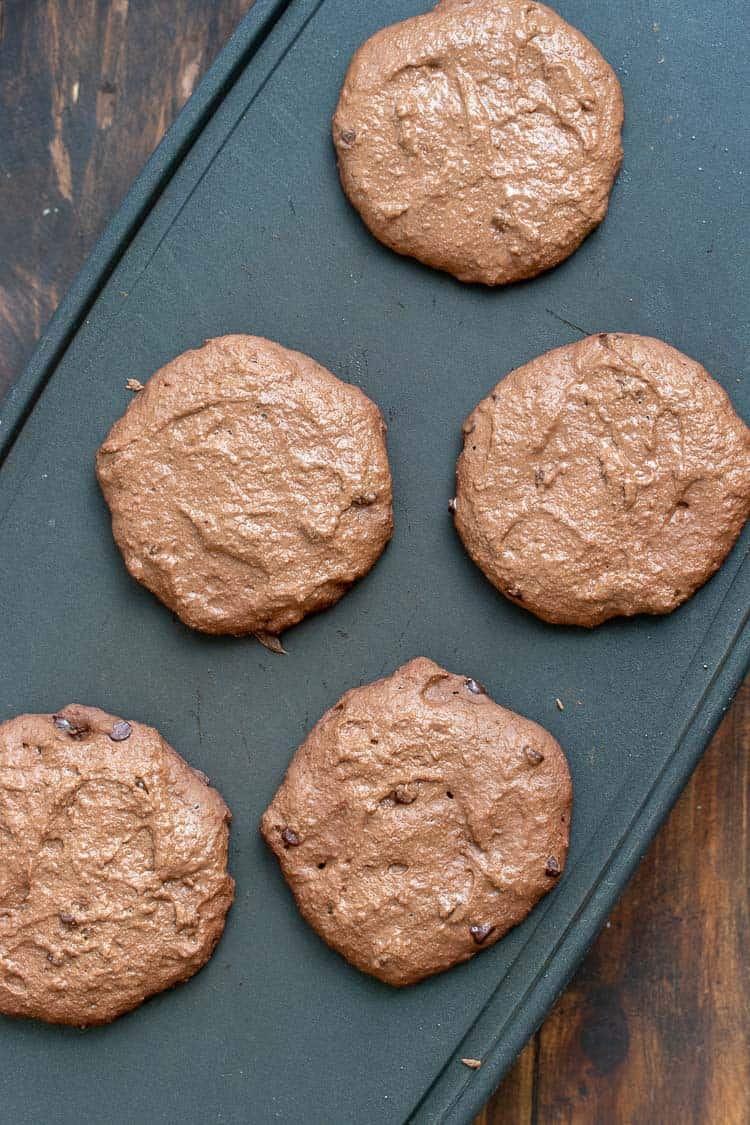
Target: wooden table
(654, 1029)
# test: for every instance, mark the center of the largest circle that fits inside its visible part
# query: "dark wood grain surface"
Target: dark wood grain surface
(655, 1028)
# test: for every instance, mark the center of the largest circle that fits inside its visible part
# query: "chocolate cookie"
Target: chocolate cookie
(113, 881)
(248, 486)
(608, 477)
(482, 138)
(419, 821)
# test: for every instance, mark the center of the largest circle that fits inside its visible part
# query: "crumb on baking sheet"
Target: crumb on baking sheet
(559, 704)
(473, 1064)
(134, 385)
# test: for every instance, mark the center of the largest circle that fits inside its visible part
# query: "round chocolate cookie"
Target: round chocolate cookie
(419, 821)
(113, 881)
(482, 138)
(608, 477)
(248, 486)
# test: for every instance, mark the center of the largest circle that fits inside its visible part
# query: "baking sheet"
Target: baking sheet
(238, 224)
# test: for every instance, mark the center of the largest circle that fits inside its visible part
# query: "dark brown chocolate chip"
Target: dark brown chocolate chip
(120, 731)
(69, 728)
(475, 687)
(481, 933)
(290, 838)
(141, 784)
(348, 137)
(552, 867)
(533, 756)
(452, 506)
(67, 919)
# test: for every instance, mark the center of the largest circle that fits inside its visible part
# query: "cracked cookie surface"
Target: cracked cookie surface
(482, 138)
(113, 882)
(248, 486)
(419, 821)
(608, 477)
